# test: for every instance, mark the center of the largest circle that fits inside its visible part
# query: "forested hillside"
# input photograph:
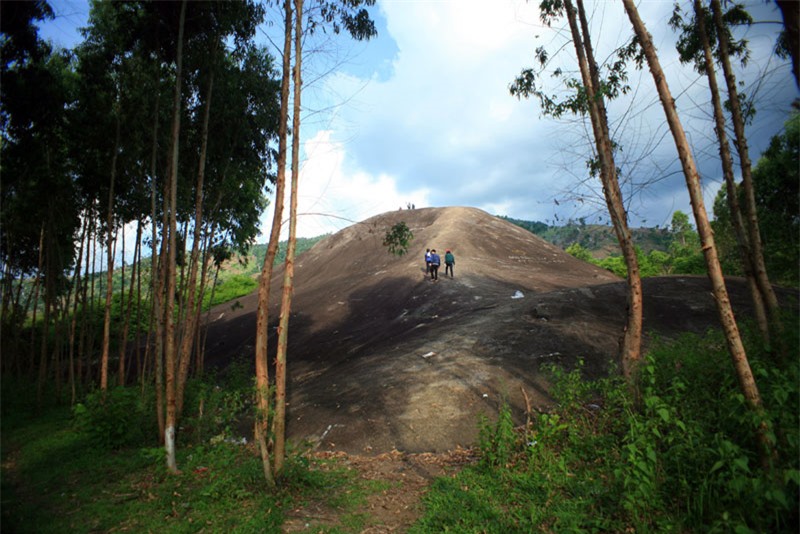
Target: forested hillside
(598, 239)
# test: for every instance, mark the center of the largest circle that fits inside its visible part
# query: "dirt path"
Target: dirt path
(395, 482)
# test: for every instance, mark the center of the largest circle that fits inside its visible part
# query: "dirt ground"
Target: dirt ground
(389, 368)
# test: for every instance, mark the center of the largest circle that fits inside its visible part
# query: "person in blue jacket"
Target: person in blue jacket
(435, 262)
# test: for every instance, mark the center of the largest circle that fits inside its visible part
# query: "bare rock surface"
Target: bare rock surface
(382, 358)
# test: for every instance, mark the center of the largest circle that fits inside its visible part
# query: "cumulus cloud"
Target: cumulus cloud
(330, 198)
(426, 117)
(438, 126)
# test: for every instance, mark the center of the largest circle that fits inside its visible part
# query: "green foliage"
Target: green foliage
(535, 227)
(683, 458)
(229, 289)
(655, 263)
(615, 264)
(115, 418)
(655, 251)
(259, 252)
(776, 180)
(398, 239)
(497, 441)
(216, 405)
(689, 44)
(577, 250)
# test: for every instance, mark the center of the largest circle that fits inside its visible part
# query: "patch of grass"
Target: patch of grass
(60, 476)
(682, 459)
(229, 289)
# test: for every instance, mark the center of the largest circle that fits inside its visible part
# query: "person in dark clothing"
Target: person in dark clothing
(435, 262)
(449, 263)
(427, 262)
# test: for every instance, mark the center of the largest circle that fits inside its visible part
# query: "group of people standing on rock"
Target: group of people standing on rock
(433, 261)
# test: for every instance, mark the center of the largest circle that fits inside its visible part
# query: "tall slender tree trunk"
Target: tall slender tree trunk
(190, 322)
(754, 232)
(159, 267)
(37, 282)
(91, 303)
(747, 382)
(156, 310)
(58, 344)
(262, 314)
(7, 293)
(48, 282)
(126, 324)
(288, 275)
(204, 262)
(790, 11)
(111, 243)
(122, 308)
(10, 317)
(171, 192)
(84, 328)
(137, 258)
(74, 320)
(742, 239)
(630, 349)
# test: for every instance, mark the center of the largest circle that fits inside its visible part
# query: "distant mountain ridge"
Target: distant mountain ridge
(598, 239)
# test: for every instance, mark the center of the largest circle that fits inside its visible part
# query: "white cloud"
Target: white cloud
(440, 128)
(331, 198)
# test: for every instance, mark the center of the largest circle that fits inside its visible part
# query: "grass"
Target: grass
(684, 459)
(62, 473)
(56, 481)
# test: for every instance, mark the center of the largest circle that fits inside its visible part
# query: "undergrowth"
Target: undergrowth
(682, 459)
(99, 468)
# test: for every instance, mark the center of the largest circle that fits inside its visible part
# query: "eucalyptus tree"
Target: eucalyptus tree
(789, 44)
(695, 46)
(169, 251)
(744, 373)
(776, 180)
(707, 39)
(738, 118)
(232, 166)
(261, 424)
(352, 17)
(589, 97)
(236, 170)
(38, 219)
(214, 186)
(119, 76)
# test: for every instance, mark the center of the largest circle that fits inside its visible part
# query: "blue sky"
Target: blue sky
(422, 114)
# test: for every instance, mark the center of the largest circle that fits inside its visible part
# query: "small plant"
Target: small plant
(497, 442)
(398, 239)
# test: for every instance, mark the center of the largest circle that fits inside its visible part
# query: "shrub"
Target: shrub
(115, 418)
(683, 458)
